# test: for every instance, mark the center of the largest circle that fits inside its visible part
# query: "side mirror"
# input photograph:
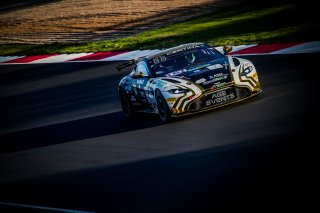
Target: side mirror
(227, 49)
(138, 75)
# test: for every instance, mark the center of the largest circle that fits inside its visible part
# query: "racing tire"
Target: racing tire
(163, 108)
(126, 105)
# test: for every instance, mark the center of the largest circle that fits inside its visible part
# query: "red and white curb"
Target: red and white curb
(252, 49)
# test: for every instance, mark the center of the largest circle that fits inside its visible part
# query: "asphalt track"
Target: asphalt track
(65, 143)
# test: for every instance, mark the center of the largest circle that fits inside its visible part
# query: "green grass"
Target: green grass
(253, 23)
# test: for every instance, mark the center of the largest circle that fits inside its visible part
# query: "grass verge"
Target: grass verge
(253, 22)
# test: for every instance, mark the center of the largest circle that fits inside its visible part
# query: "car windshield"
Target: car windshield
(187, 59)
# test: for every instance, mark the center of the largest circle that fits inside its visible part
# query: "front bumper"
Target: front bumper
(218, 98)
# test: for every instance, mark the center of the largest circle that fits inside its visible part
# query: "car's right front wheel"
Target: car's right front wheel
(163, 108)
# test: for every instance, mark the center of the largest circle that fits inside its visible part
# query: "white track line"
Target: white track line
(129, 55)
(59, 58)
(120, 57)
(310, 47)
(42, 207)
(9, 58)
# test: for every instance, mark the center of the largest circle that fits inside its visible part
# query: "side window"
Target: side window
(142, 67)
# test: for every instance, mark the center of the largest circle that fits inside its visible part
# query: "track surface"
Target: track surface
(65, 143)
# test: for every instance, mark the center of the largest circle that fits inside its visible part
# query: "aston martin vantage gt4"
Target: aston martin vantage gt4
(186, 79)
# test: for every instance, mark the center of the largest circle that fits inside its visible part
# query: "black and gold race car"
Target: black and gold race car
(186, 79)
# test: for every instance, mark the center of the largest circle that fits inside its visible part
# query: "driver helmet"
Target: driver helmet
(190, 57)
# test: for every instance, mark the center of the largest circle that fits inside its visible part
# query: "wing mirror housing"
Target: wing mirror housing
(227, 49)
(137, 75)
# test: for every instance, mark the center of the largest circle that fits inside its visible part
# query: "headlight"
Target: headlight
(247, 70)
(178, 91)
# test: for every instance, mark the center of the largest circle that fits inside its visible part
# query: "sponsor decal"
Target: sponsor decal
(150, 97)
(215, 79)
(163, 58)
(220, 74)
(140, 81)
(183, 77)
(195, 71)
(159, 72)
(215, 66)
(178, 72)
(156, 60)
(220, 97)
(159, 59)
(201, 80)
(225, 65)
(182, 49)
(171, 99)
(217, 86)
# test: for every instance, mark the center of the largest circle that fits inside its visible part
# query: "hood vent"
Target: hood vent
(171, 80)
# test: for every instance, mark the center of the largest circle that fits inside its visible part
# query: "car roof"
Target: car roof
(162, 52)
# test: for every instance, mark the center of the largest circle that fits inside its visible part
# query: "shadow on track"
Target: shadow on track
(255, 174)
(97, 126)
(74, 130)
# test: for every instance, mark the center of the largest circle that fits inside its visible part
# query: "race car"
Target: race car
(186, 79)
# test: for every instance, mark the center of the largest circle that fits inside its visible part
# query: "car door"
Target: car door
(139, 82)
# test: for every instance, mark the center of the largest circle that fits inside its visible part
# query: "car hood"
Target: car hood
(213, 74)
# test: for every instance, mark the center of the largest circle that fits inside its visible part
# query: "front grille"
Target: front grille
(219, 97)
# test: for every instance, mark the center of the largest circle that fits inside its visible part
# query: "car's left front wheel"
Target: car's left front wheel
(163, 109)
